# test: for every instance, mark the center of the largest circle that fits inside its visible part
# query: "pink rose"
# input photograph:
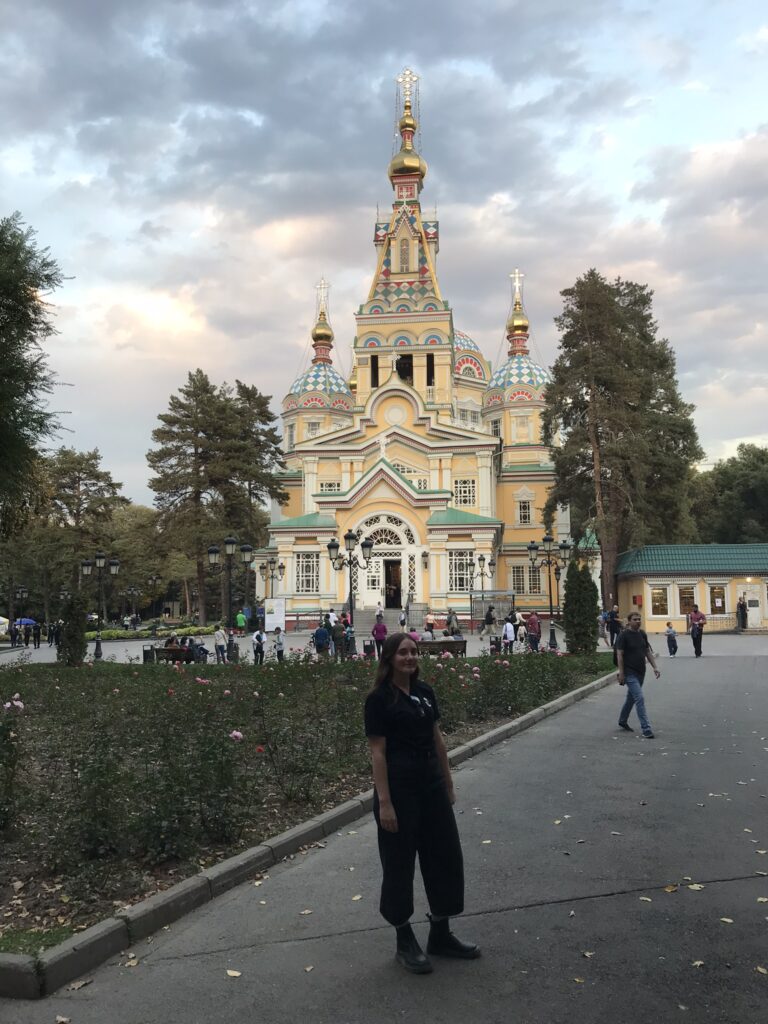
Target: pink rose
(236, 735)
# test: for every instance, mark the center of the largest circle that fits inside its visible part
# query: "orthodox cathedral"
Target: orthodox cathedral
(426, 451)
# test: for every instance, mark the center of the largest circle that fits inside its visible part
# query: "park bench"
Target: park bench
(183, 654)
(450, 644)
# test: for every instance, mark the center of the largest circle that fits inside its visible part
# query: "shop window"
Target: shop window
(659, 601)
(717, 601)
(687, 599)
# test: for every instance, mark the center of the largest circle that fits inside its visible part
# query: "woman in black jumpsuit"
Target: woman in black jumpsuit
(412, 806)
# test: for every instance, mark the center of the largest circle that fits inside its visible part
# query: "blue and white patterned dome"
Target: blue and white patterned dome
(520, 371)
(324, 378)
(463, 343)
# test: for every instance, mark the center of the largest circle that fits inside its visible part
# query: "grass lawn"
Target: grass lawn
(116, 781)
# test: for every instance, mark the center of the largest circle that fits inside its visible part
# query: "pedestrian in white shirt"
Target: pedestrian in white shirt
(259, 643)
(220, 642)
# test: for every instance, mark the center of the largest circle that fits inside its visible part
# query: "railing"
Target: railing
(719, 624)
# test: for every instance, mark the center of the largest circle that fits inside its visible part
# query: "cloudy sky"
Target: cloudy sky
(196, 166)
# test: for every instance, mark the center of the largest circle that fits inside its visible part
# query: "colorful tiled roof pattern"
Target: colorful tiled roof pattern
(463, 342)
(727, 559)
(520, 371)
(320, 377)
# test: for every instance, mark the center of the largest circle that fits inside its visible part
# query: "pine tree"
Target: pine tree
(27, 275)
(628, 439)
(215, 465)
(580, 610)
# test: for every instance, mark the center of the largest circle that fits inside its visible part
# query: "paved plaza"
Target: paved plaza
(571, 832)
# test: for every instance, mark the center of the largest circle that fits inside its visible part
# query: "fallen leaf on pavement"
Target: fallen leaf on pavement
(77, 985)
(762, 899)
(303, 913)
(572, 914)
(761, 970)
(697, 963)
(747, 829)
(670, 888)
(310, 968)
(486, 842)
(557, 821)
(133, 962)
(727, 920)
(63, 1020)
(587, 954)
(763, 873)
(234, 974)
(615, 833)
(356, 898)
(646, 899)
(761, 851)
(696, 887)
(579, 981)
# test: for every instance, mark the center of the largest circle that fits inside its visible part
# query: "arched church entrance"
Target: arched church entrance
(391, 573)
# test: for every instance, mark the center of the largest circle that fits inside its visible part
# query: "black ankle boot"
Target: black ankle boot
(442, 942)
(409, 952)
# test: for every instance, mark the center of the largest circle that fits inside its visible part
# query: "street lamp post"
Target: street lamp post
(246, 557)
(21, 596)
(351, 561)
(100, 560)
(153, 581)
(482, 575)
(558, 575)
(133, 594)
(551, 559)
(271, 571)
(214, 559)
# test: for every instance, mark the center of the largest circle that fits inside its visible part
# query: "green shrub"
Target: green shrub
(153, 763)
(72, 646)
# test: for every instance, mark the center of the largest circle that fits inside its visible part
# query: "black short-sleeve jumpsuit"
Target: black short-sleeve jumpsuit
(426, 823)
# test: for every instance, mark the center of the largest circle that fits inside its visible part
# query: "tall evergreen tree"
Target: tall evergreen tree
(27, 275)
(215, 465)
(627, 439)
(731, 500)
(580, 610)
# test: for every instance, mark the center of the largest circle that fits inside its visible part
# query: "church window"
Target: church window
(465, 492)
(404, 368)
(496, 427)
(460, 571)
(430, 369)
(534, 580)
(384, 538)
(290, 437)
(421, 483)
(307, 572)
(411, 575)
(330, 486)
(313, 428)
(518, 579)
(405, 255)
(524, 516)
(372, 521)
(374, 371)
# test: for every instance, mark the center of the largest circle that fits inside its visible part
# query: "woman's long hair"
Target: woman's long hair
(385, 671)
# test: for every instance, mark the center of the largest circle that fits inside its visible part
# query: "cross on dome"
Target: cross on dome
(407, 80)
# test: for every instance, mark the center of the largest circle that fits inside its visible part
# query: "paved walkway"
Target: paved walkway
(571, 831)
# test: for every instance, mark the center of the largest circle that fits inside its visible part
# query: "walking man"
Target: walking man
(220, 643)
(488, 622)
(632, 652)
(614, 624)
(534, 631)
(698, 621)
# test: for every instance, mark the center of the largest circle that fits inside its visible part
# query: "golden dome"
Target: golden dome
(407, 161)
(322, 330)
(518, 322)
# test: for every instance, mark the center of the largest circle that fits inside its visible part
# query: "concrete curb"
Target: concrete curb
(26, 977)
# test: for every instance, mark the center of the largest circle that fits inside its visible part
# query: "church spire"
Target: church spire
(322, 333)
(407, 170)
(517, 322)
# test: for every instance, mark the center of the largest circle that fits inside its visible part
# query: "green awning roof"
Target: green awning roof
(455, 517)
(312, 521)
(730, 559)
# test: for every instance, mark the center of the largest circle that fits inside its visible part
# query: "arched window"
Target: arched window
(405, 255)
(385, 538)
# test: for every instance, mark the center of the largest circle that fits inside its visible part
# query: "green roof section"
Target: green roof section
(312, 521)
(455, 517)
(729, 559)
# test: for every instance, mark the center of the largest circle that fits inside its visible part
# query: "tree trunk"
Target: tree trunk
(201, 590)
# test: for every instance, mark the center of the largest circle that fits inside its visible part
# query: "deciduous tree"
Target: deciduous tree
(731, 500)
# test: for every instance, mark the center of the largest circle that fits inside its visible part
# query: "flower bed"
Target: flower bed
(116, 781)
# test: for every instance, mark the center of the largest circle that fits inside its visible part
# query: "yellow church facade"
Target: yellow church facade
(425, 451)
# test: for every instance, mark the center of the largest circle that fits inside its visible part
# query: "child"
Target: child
(671, 636)
(279, 643)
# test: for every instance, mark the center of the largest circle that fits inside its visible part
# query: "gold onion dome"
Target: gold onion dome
(322, 331)
(407, 161)
(518, 322)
